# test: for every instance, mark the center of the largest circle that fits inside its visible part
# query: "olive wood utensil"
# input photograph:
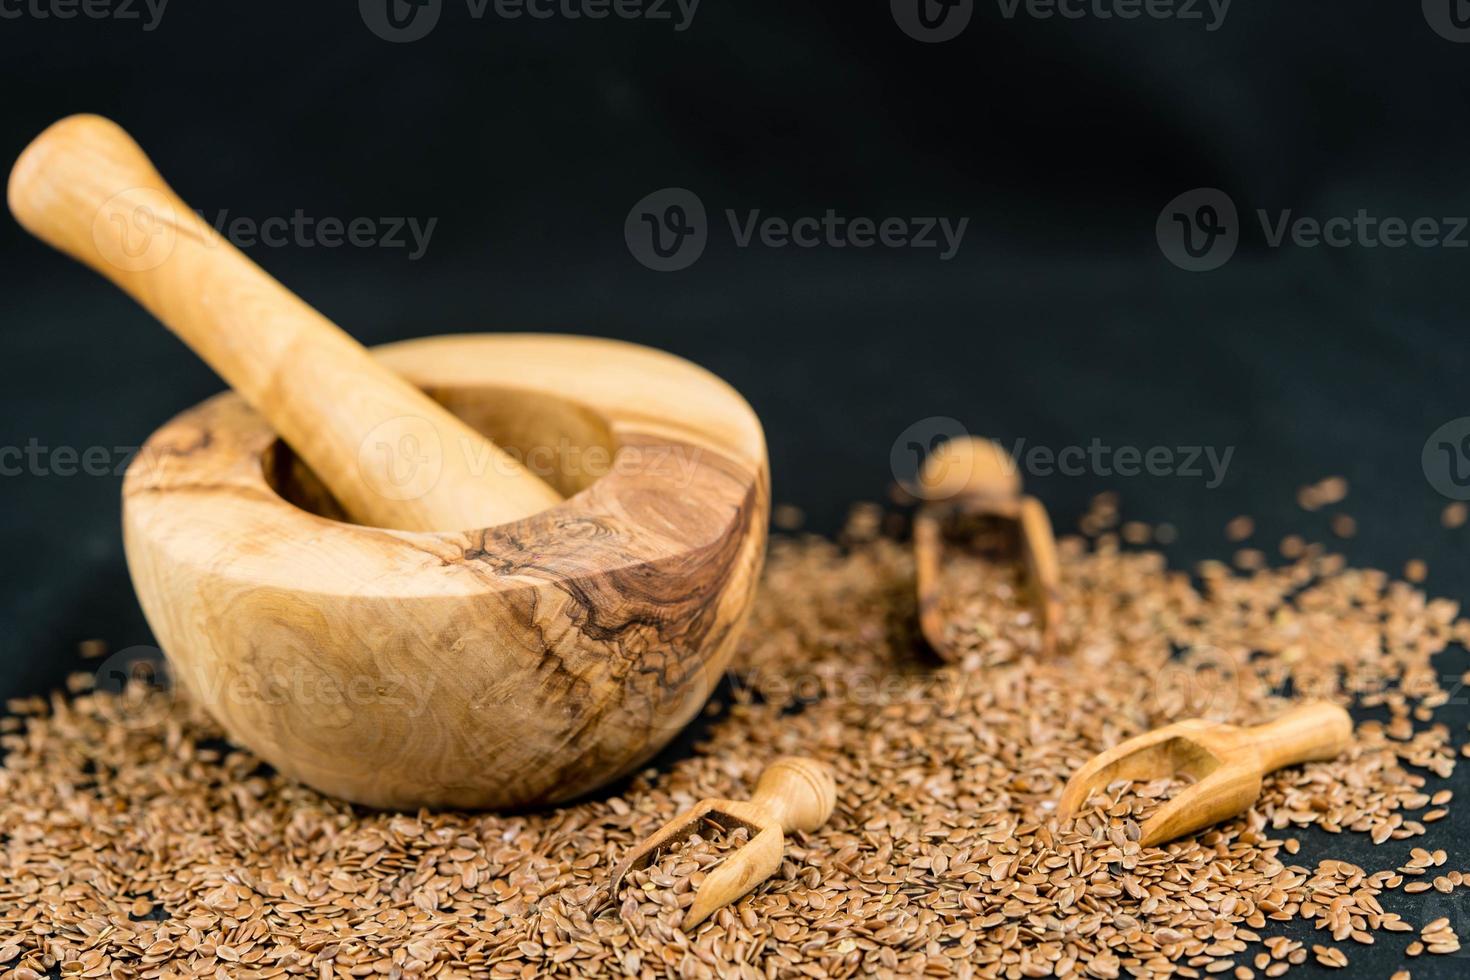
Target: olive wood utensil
(84, 187)
(977, 477)
(1228, 763)
(794, 793)
(399, 613)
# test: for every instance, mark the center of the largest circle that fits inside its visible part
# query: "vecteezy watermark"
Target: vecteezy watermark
(873, 690)
(917, 443)
(1096, 458)
(146, 13)
(920, 441)
(1211, 13)
(1200, 229)
(403, 21)
(143, 687)
(932, 21)
(302, 230)
(138, 229)
(1450, 19)
(38, 459)
(1446, 459)
(403, 458)
(669, 229)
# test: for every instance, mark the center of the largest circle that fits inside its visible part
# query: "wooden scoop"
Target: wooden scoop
(1227, 762)
(793, 794)
(978, 477)
(390, 455)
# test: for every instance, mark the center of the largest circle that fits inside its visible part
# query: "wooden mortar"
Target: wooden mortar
(474, 640)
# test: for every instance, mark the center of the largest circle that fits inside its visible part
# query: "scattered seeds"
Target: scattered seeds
(135, 842)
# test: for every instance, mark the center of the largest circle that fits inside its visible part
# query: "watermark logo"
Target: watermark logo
(1446, 459)
(136, 230)
(1211, 12)
(1450, 19)
(918, 443)
(147, 13)
(1202, 682)
(1199, 230)
(133, 677)
(38, 459)
(667, 230)
(1095, 458)
(302, 230)
(932, 21)
(404, 21)
(402, 458)
(401, 21)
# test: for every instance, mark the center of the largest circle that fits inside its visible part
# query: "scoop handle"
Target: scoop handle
(1309, 733)
(390, 454)
(799, 792)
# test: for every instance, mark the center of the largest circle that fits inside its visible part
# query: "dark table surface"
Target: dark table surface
(1060, 321)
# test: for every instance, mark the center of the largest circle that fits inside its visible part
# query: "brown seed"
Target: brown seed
(1239, 528)
(1415, 570)
(788, 517)
(1454, 514)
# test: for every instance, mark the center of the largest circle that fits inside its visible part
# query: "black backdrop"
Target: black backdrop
(1062, 319)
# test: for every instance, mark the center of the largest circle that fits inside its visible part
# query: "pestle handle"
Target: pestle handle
(391, 455)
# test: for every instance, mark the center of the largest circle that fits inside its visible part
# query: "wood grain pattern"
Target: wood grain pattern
(510, 666)
(86, 188)
(477, 641)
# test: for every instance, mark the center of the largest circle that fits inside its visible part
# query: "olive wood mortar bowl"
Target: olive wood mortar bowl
(505, 667)
(396, 658)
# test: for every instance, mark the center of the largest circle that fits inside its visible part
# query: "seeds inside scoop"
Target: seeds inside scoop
(981, 573)
(1128, 804)
(665, 889)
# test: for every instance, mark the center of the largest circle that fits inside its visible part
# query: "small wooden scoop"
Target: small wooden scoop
(1227, 761)
(793, 794)
(977, 477)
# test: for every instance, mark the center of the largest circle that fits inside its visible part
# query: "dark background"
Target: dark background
(1060, 320)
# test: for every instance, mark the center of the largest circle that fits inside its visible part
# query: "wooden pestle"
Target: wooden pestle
(392, 456)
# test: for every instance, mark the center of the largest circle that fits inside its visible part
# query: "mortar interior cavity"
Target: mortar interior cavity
(564, 443)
